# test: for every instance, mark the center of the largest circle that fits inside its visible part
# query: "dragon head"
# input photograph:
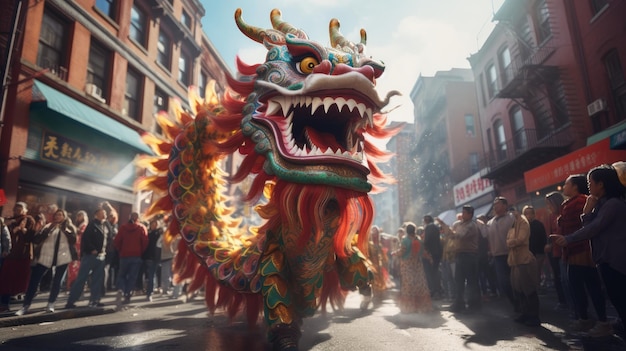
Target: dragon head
(310, 107)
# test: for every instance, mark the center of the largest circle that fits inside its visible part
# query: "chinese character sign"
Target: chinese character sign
(61, 150)
(471, 188)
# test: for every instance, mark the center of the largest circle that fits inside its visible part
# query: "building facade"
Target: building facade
(86, 79)
(392, 203)
(448, 145)
(548, 78)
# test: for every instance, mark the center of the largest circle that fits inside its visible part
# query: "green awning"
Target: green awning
(79, 112)
(607, 133)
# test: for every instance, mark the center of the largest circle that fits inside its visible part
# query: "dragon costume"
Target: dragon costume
(303, 122)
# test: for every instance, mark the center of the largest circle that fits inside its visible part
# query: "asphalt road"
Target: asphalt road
(167, 324)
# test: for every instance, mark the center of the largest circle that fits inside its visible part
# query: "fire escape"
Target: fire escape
(535, 85)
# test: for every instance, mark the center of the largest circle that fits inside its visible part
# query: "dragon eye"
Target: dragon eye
(306, 65)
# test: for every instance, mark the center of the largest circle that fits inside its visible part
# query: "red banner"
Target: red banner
(3, 198)
(577, 162)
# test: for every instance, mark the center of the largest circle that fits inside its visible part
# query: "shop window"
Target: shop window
(470, 125)
(98, 70)
(164, 50)
(138, 25)
(132, 97)
(52, 53)
(184, 68)
(542, 17)
(107, 7)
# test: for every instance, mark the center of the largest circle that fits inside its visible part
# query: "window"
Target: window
(525, 40)
(614, 68)
(98, 67)
(164, 48)
(490, 144)
(186, 19)
(473, 162)
(615, 72)
(184, 69)
(107, 7)
(505, 62)
(470, 128)
(482, 89)
(138, 25)
(51, 53)
(542, 15)
(492, 80)
(160, 104)
(558, 100)
(501, 148)
(519, 132)
(202, 81)
(598, 5)
(132, 97)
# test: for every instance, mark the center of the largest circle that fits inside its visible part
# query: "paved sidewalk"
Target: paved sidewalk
(37, 313)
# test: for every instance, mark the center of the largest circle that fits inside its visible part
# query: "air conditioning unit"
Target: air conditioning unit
(94, 91)
(596, 107)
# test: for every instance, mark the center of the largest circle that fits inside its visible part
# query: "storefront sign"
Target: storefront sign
(471, 188)
(618, 140)
(70, 153)
(577, 162)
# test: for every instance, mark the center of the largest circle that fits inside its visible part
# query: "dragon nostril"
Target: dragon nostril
(324, 67)
(367, 71)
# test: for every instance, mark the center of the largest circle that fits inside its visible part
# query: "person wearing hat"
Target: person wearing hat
(15, 270)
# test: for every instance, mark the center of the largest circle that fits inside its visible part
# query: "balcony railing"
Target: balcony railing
(519, 75)
(59, 71)
(528, 146)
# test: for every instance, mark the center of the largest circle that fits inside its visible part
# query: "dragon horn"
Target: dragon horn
(278, 23)
(363, 36)
(336, 38)
(255, 33)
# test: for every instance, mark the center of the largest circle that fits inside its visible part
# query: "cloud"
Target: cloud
(419, 46)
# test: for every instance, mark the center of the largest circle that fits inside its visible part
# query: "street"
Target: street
(167, 324)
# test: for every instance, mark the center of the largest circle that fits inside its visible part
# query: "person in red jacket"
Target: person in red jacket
(130, 242)
(584, 278)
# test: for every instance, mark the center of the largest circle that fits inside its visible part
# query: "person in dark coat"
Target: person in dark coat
(434, 253)
(15, 270)
(152, 256)
(538, 237)
(93, 254)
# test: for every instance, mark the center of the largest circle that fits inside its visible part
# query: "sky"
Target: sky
(412, 37)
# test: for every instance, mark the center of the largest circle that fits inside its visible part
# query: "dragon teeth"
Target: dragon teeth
(284, 105)
(273, 107)
(287, 103)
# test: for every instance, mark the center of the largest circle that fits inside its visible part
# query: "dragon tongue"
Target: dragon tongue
(323, 141)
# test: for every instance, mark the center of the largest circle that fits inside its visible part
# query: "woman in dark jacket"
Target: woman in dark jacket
(15, 271)
(54, 247)
(604, 222)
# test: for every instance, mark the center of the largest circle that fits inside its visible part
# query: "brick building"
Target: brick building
(550, 84)
(447, 146)
(85, 79)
